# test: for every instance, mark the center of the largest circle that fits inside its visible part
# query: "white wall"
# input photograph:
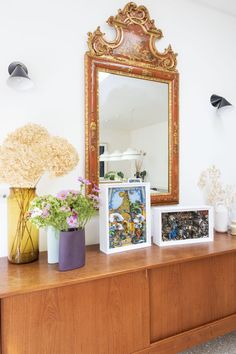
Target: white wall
(116, 139)
(155, 163)
(50, 37)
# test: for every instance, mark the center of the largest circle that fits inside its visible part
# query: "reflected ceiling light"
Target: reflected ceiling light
(130, 154)
(219, 102)
(115, 156)
(19, 79)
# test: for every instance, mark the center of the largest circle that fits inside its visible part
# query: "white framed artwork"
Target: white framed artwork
(124, 217)
(180, 225)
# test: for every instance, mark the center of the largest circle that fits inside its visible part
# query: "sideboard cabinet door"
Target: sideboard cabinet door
(187, 295)
(106, 316)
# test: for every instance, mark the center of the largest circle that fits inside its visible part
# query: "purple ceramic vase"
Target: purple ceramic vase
(71, 249)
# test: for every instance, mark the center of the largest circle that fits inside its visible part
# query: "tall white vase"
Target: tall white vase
(53, 244)
(221, 218)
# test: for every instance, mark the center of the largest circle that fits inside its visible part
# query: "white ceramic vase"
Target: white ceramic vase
(221, 219)
(53, 244)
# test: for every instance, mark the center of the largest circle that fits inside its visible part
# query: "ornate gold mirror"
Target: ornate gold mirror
(132, 106)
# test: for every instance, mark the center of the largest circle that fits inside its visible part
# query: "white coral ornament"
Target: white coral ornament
(210, 182)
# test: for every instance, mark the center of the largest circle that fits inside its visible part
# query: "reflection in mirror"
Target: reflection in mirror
(133, 121)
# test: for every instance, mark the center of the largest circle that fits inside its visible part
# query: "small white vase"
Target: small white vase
(221, 219)
(233, 228)
(53, 244)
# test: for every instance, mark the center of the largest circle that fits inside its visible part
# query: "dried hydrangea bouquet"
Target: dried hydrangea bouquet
(25, 155)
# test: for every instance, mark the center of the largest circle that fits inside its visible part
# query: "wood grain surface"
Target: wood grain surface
(107, 316)
(186, 296)
(188, 339)
(24, 278)
(152, 300)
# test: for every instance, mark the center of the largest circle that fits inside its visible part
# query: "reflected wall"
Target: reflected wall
(133, 122)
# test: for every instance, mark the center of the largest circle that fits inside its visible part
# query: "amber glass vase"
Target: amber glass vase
(22, 235)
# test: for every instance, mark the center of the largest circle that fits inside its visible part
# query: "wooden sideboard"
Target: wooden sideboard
(152, 300)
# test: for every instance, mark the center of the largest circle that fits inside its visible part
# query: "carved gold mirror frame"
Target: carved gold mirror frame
(132, 53)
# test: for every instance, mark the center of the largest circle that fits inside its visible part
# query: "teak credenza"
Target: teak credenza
(152, 300)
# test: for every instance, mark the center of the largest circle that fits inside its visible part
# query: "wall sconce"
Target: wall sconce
(19, 79)
(219, 102)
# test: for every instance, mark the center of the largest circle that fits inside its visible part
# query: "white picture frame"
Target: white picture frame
(128, 230)
(180, 225)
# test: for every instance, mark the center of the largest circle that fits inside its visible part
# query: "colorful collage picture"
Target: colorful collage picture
(127, 216)
(185, 225)
(180, 225)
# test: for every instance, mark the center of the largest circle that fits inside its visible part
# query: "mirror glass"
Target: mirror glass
(133, 130)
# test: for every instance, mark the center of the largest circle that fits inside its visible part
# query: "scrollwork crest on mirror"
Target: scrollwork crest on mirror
(132, 90)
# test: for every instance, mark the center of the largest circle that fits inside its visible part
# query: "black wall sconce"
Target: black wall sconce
(19, 79)
(219, 102)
